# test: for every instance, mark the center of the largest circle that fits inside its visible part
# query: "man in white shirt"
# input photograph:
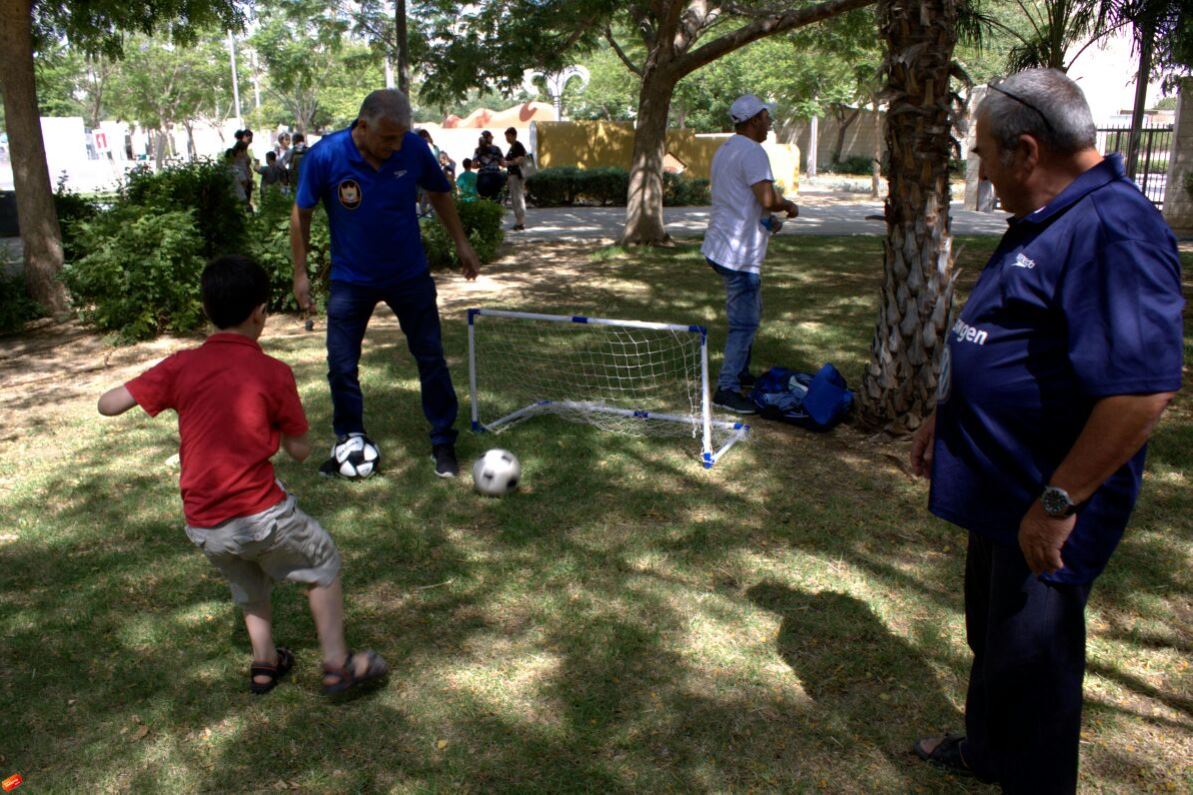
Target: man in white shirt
(743, 196)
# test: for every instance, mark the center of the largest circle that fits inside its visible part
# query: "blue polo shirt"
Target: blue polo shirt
(375, 240)
(1080, 301)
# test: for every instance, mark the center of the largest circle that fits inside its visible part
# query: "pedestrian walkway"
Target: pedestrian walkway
(820, 214)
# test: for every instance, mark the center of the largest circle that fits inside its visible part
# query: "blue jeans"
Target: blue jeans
(743, 305)
(414, 302)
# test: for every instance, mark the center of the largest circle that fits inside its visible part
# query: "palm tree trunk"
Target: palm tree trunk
(898, 387)
(41, 236)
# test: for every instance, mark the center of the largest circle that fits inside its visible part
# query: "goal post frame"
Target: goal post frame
(709, 455)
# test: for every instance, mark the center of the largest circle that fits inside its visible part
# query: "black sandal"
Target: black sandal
(346, 678)
(946, 755)
(274, 672)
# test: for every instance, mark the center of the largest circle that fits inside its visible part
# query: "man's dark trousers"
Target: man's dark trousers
(414, 302)
(1023, 708)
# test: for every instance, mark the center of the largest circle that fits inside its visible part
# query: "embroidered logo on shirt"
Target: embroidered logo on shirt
(967, 333)
(1023, 262)
(400, 174)
(349, 194)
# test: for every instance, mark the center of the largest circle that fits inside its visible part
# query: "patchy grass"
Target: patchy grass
(788, 621)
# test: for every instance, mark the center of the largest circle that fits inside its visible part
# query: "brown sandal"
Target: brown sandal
(345, 675)
(274, 671)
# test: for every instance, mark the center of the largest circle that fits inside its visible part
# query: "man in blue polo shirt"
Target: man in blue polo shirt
(1055, 372)
(368, 177)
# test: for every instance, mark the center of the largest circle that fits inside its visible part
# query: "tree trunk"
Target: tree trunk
(876, 165)
(843, 125)
(644, 203)
(1145, 35)
(40, 233)
(915, 305)
(403, 47)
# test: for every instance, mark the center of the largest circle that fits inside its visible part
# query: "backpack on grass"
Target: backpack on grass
(813, 401)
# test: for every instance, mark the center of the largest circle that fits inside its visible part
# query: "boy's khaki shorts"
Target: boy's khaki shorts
(279, 543)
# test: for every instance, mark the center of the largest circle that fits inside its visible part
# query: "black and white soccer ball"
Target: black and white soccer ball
(356, 457)
(496, 473)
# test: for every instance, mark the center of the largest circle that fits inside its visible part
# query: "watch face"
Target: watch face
(1055, 502)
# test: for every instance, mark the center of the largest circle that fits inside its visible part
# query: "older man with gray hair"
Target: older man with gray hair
(1055, 373)
(367, 178)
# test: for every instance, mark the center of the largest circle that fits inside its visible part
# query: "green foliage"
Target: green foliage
(858, 165)
(568, 185)
(204, 187)
(73, 209)
(269, 244)
(482, 222)
(16, 307)
(681, 191)
(140, 275)
(552, 187)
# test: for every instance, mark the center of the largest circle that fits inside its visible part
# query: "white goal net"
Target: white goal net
(620, 375)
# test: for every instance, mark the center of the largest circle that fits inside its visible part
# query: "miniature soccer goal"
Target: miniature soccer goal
(625, 376)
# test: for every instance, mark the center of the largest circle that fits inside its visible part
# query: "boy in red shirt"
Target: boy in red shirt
(235, 406)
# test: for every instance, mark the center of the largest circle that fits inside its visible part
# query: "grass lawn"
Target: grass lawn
(788, 621)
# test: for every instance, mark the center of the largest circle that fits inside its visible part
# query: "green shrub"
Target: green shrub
(482, 222)
(269, 244)
(554, 187)
(603, 186)
(140, 275)
(681, 191)
(203, 187)
(566, 186)
(859, 165)
(16, 307)
(73, 208)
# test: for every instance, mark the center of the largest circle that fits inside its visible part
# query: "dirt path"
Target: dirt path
(50, 364)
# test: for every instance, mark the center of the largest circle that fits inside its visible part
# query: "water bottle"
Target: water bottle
(771, 223)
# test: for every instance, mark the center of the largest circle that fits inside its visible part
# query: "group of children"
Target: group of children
(236, 406)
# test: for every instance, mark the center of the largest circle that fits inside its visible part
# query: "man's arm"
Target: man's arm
(297, 447)
(116, 401)
(770, 199)
(300, 242)
(1116, 429)
(445, 210)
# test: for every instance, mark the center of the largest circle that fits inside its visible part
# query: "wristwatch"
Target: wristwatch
(1057, 503)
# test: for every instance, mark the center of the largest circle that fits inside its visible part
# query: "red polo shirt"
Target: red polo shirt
(233, 405)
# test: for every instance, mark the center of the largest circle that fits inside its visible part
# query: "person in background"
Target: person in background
(273, 176)
(489, 177)
(466, 182)
(515, 157)
(449, 167)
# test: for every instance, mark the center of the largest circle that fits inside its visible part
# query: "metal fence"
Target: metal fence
(1155, 144)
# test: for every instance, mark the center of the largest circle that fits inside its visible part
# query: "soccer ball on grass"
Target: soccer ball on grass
(356, 457)
(496, 473)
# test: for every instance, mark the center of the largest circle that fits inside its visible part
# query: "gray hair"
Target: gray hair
(1043, 103)
(386, 103)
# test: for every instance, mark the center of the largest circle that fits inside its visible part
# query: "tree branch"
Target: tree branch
(621, 54)
(761, 28)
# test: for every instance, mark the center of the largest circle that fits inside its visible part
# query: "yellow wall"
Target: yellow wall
(594, 144)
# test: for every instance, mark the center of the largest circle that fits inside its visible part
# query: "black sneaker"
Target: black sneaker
(747, 380)
(733, 401)
(330, 468)
(444, 456)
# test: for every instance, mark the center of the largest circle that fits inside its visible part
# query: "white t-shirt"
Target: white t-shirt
(736, 238)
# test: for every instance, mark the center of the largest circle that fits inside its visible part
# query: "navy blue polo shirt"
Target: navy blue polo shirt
(375, 239)
(1080, 301)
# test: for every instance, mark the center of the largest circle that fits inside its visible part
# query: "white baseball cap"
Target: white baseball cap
(747, 107)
